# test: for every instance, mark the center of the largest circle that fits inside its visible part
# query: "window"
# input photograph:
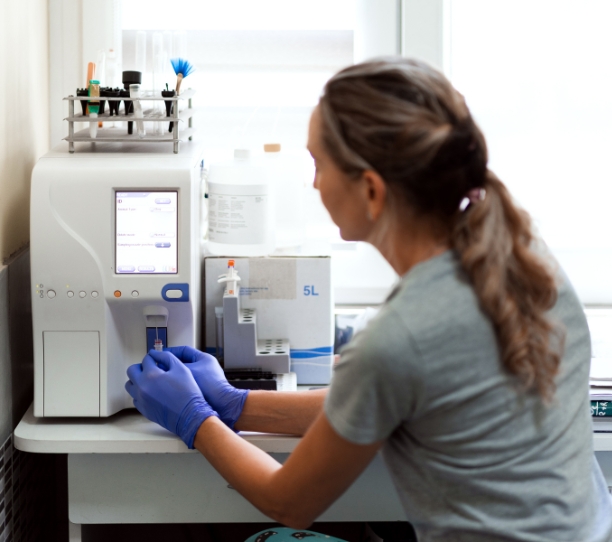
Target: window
(260, 67)
(536, 76)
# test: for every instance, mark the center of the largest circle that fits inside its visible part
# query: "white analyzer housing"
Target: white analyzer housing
(115, 264)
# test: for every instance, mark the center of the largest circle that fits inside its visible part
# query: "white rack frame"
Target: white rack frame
(149, 115)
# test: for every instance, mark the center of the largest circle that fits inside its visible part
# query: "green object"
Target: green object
(284, 534)
(94, 92)
(601, 409)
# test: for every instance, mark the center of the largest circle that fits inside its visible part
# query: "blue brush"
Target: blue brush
(182, 68)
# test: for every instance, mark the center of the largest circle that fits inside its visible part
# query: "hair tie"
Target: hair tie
(473, 196)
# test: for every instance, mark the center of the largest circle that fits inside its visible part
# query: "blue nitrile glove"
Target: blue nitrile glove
(165, 392)
(222, 396)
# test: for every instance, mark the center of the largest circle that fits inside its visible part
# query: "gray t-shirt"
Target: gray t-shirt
(472, 459)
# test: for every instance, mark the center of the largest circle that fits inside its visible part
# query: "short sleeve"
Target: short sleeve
(375, 384)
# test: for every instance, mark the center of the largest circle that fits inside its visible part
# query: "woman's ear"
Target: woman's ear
(374, 193)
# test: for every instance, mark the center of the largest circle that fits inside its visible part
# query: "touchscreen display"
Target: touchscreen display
(146, 227)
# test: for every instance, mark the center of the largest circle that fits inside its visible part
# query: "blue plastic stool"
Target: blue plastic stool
(284, 534)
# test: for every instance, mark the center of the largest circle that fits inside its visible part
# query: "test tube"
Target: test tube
(136, 93)
(158, 66)
(140, 63)
(219, 334)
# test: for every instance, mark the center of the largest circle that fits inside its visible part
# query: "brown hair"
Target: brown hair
(404, 120)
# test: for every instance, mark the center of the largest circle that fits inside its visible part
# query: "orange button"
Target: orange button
(117, 293)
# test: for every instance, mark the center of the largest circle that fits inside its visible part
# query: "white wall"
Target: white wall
(24, 110)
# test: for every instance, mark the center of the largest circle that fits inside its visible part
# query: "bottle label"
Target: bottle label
(238, 219)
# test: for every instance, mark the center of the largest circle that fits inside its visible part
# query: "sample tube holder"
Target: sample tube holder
(178, 117)
(242, 348)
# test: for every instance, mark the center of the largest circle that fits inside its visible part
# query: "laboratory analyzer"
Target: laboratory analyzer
(115, 269)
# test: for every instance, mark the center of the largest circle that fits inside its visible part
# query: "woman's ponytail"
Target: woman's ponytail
(515, 289)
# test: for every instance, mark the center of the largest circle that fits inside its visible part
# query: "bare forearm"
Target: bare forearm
(322, 466)
(249, 470)
(254, 474)
(289, 413)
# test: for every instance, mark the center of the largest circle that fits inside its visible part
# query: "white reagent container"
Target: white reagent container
(240, 207)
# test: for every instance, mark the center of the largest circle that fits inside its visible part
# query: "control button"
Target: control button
(117, 293)
(135, 293)
(126, 269)
(163, 245)
(82, 293)
(146, 269)
(162, 200)
(94, 294)
(50, 294)
(70, 293)
(177, 292)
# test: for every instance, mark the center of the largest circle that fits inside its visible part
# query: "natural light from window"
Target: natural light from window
(537, 76)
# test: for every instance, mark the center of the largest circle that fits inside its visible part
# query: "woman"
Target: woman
(473, 377)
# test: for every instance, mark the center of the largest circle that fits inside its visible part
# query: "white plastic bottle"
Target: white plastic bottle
(287, 178)
(240, 207)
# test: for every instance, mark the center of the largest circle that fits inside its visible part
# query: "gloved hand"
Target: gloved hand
(165, 392)
(222, 396)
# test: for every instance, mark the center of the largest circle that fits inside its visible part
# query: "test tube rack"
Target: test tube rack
(179, 117)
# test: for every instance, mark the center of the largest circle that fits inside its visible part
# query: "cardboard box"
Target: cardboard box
(292, 296)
